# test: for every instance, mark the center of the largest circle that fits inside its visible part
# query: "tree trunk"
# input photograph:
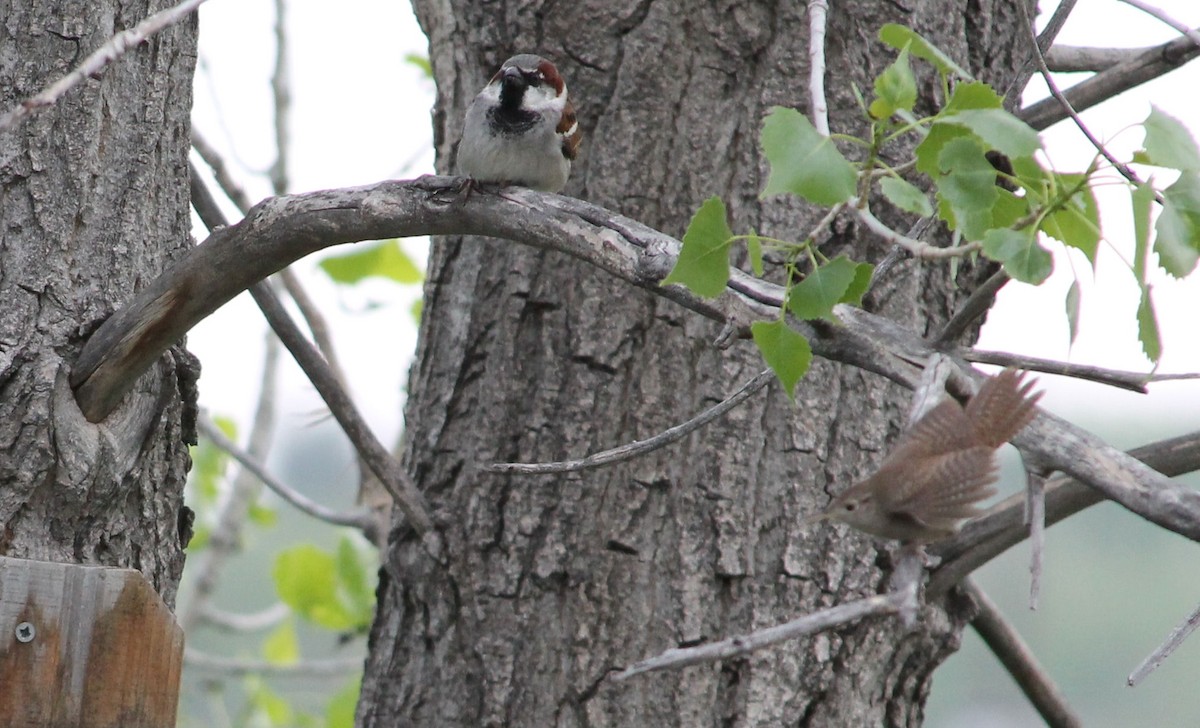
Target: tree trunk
(93, 203)
(553, 582)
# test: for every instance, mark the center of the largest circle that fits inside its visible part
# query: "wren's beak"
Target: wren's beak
(816, 518)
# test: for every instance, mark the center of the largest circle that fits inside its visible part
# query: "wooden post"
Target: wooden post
(85, 647)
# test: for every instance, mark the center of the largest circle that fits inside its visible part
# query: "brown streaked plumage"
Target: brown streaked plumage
(942, 467)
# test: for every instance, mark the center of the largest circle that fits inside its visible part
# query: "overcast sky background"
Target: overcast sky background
(361, 114)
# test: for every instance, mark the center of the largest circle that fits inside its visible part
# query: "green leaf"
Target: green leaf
(1169, 143)
(901, 37)
(306, 581)
(1178, 227)
(895, 88)
(971, 95)
(703, 264)
(998, 129)
(1019, 252)
(859, 286)
(815, 296)
(785, 351)
(1148, 333)
(1072, 306)
(385, 259)
(1141, 198)
(281, 647)
(1077, 222)
(755, 251)
(804, 162)
(905, 196)
(418, 306)
(967, 183)
(340, 711)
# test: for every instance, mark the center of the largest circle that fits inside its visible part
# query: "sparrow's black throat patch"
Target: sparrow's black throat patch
(508, 117)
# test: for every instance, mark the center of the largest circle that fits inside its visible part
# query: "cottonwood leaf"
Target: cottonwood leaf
(785, 351)
(803, 161)
(703, 263)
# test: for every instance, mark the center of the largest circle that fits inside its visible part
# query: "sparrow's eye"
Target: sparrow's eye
(850, 506)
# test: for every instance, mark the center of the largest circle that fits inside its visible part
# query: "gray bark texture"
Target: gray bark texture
(551, 582)
(93, 204)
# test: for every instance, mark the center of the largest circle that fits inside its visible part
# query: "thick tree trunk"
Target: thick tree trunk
(552, 582)
(93, 203)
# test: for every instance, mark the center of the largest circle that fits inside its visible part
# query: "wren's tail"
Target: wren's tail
(1002, 407)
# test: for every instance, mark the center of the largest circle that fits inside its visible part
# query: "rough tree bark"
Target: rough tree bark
(551, 582)
(93, 203)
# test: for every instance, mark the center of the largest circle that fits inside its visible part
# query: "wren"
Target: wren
(943, 466)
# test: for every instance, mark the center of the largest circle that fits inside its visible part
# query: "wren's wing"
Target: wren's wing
(943, 429)
(945, 488)
(1002, 407)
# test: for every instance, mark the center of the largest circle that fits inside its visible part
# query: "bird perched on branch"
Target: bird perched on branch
(521, 128)
(942, 467)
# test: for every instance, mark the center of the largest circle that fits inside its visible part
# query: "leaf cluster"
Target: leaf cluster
(976, 167)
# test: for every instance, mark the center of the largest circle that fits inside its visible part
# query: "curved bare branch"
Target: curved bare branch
(283, 229)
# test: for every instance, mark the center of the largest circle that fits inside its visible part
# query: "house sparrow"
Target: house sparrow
(521, 127)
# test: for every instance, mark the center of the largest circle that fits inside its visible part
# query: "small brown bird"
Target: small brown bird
(943, 466)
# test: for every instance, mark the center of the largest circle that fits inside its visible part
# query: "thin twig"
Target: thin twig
(1044, 42)
(640, 447)
(377, 457)
(1151, 64)
(235, 192)
(225, 538)
(284, 491)
(817, 13)
(1035, 518)
(744, 644)
(91, 67)
(1004, 642)
(1156, 658)
(344, 666)
(1158, 13)
(918, 248)
(1132, 381)
(281, 93)
(1048, 77)
(1080, 59)
(253, 622)
(976, 305)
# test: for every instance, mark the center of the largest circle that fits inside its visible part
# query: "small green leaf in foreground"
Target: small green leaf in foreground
(1148, 327)
(803, 161)
(905, 196)
(901, 36)
(784, 350)
(1018, 250)
(815, 296)
(1178, 226)
(703, 264)
(1168, 143)
(895, 88)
